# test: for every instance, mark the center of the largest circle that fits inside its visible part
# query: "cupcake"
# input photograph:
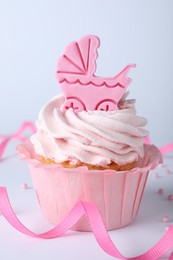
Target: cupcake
(89, 143)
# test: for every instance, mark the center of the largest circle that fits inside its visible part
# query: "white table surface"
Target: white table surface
(132, 240)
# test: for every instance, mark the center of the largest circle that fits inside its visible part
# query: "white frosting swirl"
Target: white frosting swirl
(92, 137)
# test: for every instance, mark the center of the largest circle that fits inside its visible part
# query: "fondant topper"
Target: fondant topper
(81, 88)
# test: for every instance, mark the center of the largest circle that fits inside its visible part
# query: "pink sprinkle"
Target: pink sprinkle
(160, 191)
(165, 219)
(170, 197)
(156, 175)
(24, 186)
(167, 227)
(168, 171)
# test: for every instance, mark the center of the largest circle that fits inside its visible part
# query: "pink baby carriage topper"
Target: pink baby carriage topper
(81, 88)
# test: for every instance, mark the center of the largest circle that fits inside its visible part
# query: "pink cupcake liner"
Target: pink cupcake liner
(117, 194)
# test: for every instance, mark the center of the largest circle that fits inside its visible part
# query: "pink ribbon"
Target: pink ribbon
(81, 208)
(164, 149)
(18, 136)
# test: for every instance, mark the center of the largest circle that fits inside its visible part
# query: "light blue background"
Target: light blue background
(33, 34)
